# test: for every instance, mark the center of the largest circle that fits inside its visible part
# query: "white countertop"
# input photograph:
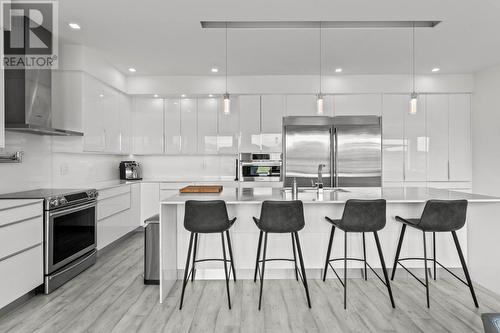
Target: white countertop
(391, 194)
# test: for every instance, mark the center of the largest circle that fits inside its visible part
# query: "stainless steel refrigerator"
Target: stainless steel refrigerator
(348, 147)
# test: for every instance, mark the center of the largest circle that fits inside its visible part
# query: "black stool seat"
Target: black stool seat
(281, 217)
(437, 216)
(207, 217)
(359, 216)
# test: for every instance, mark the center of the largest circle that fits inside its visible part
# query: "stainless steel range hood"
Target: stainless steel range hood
(28, 102)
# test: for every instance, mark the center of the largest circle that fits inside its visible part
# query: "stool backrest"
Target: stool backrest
(206, 216)
(364, 215)
(282, 216)
(444, 215)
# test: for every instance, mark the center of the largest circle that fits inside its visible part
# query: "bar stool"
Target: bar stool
(360, 216)
(281, 217)
(206, 217)
(438, 216)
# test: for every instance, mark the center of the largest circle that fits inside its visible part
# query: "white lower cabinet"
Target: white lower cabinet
(118, 213)
(150, 200)
(21, 248)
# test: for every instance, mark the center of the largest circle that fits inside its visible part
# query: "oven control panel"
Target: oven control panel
(69, 199)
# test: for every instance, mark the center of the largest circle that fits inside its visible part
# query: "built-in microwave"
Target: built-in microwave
(254, 167)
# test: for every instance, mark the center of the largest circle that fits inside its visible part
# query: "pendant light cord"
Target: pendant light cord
(413, 55)
(320, 57)
(226, 57)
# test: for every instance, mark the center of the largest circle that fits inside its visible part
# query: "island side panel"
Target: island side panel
(168, 249)
(483, 239)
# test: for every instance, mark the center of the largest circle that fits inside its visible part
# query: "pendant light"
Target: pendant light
(413, 95)
(227, 102)
(320, 97)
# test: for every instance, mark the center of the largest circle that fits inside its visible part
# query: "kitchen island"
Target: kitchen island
(244, 203)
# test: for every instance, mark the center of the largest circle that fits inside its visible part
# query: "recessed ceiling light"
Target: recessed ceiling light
(436, 69)
(214, 70)
(156, 96)
(210, 95)
(183, 95)
(338, 70)
(132, 70)
(75, 26)
(101, 95)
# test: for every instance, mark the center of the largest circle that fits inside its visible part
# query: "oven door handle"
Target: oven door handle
(72, 209)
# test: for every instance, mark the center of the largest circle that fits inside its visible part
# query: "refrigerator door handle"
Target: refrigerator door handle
(335, 178)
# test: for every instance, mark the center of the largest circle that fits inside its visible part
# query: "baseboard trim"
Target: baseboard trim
(19, 301)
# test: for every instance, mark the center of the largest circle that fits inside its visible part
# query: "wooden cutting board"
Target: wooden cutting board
(201, 189)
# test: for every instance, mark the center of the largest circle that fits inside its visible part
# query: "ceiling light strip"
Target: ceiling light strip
(317, 24)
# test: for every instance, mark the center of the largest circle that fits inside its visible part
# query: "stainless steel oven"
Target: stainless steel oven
(70, 232)
(256, 167)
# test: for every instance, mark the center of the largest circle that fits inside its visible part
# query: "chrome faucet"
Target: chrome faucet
(319, 184)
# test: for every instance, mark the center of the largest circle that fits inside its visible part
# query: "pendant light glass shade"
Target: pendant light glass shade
(227, 104)
(413, 103)
(319, 103)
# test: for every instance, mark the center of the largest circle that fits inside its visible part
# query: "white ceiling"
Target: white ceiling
(164, 37)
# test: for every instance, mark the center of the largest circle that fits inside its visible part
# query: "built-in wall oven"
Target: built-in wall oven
(259, 167)
(70, 225)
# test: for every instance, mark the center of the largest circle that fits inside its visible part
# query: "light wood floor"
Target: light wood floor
(110, 297)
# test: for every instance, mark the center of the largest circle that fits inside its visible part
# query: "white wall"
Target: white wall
(293, 84)
(486, 132)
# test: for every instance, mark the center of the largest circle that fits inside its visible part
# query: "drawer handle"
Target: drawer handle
(19, 252)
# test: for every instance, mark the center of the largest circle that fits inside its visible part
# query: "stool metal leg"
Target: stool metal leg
(186, 270)
(464, 267)
(345, 270)
(426, 271)
(303, 269)
(434, 253)
(384, 269)
(364, 256)
(258, 257)
(328, 252)
(193, 269)
(398, 251)
(225, 270)
(295, 258)
(263, 269)
(231, 256)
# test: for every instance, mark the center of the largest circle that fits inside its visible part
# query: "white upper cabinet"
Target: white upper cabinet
(147, 126)
(437, 133)
(460, 137)
(229, 128)
(188, 126)
(67, 97)
(272, 113)
(416, 142)
(93, 109)
(207, 125)
(250, 120)
(111, 119)
(301, 105)
(358, 105)
(172, 126)
(125, 113)
(394, 109)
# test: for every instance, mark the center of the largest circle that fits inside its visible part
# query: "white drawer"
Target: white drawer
(113, 205)
(11, 215)
(112, 192)
(20, 274)
(19, 236)
(11, 203)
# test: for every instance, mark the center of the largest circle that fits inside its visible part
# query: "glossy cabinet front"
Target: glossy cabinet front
(147, 126)
(272, 113)
(250, 123)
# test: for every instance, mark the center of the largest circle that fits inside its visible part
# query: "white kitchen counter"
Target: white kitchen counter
(391, 194)
(245, 203)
